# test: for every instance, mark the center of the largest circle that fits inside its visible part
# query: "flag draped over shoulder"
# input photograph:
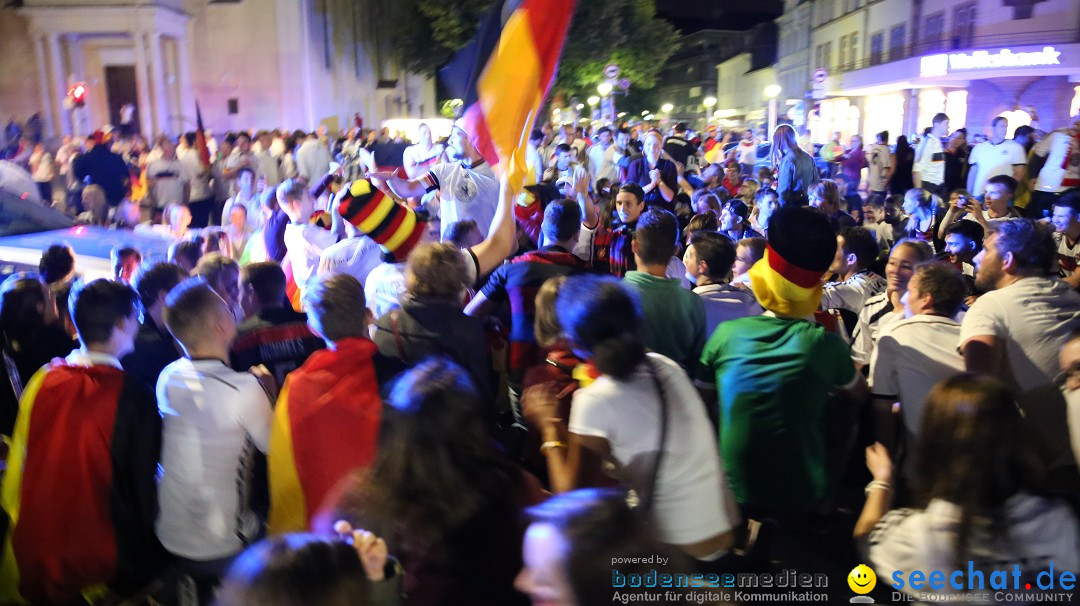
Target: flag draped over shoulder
(504, 74)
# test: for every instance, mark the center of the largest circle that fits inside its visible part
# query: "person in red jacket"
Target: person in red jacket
(326, 423)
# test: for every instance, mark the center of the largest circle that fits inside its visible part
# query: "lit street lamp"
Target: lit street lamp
(580, 106)
(666, 108)
(772, 91)
(709, 103)
(593, 100)
(604, 88)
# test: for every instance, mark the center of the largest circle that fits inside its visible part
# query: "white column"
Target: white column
(142, 86)
(58, 78)
(80, 121)
(157, 83)
(46, 90)
(187, 93)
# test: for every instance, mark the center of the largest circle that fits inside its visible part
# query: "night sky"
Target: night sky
(693, 15)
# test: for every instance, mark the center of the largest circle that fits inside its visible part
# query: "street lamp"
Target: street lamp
(772, 91)
(604, 88)
(580, 106)
(666, 108)
(709, 103)
(593, 100)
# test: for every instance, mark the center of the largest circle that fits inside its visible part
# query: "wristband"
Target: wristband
(878, 484)
(546, 446)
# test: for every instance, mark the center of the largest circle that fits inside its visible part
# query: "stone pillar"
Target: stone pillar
(911, 111)
(58, 78)
(142, 86)
(157, 84)
(51, 122)
(186, 110)
(77, 73)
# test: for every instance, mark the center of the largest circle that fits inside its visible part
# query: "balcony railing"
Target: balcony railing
(957, 44)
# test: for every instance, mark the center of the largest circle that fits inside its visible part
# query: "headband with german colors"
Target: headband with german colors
(784, 288)
(393, 226)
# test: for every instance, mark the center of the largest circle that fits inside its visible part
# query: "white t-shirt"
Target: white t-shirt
(748, 151)
(305, 244)
(464, 193)
(200, 176)
(267, 167)
(991, 160)
(212, 417)
(254, 211)
(46, 167)
(692, 501)
(603, 162)
(170, 177)
(875, 315)
(1056, 147)
(879, 159)
(1034, 317)
(1066, 255)
(423, 160)
(1038, 531)
(386, 282)
(851, 294)
(911, 356)
(725, 302)
(931, 161)
(354, 256)
(312, 160)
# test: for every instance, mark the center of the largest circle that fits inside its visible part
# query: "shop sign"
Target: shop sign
(940, 65)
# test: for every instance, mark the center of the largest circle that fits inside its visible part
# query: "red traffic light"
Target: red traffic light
(77, 94)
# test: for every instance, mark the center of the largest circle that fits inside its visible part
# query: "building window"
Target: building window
(853, 50)
(842, 66)
(818, 56)
(826, 56)
(897, 41)
(877, 48)
(934, 32)
(963, 31)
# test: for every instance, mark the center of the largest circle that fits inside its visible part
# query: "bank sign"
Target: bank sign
(940, 65)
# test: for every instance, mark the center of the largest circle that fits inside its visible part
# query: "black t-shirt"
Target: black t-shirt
(679, 149)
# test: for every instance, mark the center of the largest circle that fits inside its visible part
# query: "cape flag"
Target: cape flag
(326, 425)
(200, 138)
(504, 74)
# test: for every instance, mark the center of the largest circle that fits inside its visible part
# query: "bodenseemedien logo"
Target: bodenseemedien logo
(862, 580)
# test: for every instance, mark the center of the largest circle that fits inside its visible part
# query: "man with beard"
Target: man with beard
(1015, 330)
(467, 186)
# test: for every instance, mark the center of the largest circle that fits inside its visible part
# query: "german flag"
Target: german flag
(79, 498)
(326, 424)
(504, 74)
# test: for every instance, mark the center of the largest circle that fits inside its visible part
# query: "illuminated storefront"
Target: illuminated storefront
(1037, 85)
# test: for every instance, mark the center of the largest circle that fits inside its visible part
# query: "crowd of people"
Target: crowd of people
(367, 379)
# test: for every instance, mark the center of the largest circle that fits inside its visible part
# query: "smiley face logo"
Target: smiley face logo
(862, 579)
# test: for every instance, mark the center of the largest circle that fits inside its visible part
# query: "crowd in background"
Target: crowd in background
(372, 371)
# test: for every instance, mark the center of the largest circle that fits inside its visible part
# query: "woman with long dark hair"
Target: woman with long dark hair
(974, 479)
(643, 415)
(904, 161)
(446, 501)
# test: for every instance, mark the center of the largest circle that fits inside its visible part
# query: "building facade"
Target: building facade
(743, 77)
(793, 66)
(892, 64)
(248, 63)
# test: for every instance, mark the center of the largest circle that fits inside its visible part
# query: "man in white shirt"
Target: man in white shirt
(305, 242)
(930, 159)
(747, 153)
(1015, 330)
(213, 420)
(603, 157)
(879, 159)
(419, 158)
(312, 159)
(1066, 221)
(708, 260)
(467, 186)
(167, 179)
(913, 354)
(997, 156)
(266, 165)
(1056, 161)
(856, 250)
(240, 157)
(201, 198)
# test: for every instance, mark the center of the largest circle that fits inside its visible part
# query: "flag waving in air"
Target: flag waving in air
(504, 74)
(200, 139)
